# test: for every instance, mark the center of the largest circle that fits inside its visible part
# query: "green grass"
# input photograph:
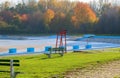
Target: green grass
(39, 66)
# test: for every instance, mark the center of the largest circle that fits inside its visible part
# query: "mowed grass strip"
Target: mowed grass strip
(40, 66)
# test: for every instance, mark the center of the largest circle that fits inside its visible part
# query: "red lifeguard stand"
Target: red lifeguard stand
(61, 39)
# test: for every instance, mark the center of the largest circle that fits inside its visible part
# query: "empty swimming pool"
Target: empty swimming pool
(39, 43)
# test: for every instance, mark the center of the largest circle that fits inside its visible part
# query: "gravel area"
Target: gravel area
(108, 70)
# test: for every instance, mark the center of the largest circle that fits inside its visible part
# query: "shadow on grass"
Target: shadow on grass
(86, 52)
(30, 58)
(89, 52)
(52, 57)
(15, 73)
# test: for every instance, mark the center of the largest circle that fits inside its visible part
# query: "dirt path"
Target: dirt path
(109, 70)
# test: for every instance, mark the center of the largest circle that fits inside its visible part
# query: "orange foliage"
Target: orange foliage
(62, 15)
(24, 17)
(49, 15)
(84, 14)
(74, 20)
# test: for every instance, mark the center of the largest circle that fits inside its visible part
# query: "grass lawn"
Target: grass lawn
(40, 66)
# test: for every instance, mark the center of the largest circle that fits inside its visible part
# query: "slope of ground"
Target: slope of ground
(109, 70)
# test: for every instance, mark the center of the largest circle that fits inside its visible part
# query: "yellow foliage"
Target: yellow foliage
(17, 16)
(3, 24)
(49, 15)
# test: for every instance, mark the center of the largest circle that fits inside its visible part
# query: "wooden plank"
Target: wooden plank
(56, 49)
(11, 63)
(12, 74)
(8, 64)
(7, 60)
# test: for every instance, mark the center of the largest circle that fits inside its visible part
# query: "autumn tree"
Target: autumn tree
(24, 17)
(83, 14)
(109, 21)
(43, 5)
(6, 5)
(7, 16)
(48, 16)
(53, 15)
(35, 22)
(58, 22)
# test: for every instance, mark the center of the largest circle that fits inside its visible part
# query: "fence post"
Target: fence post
(11, 69)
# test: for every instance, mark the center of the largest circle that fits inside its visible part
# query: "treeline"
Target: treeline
(51, 16)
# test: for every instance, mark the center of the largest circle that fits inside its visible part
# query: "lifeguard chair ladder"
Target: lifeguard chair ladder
(61, 40)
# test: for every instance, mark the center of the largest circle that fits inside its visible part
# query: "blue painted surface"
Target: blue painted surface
(88, 35)
(94, 36)
(30, 50)
(47, 48)
(12, 50)
(88, 46)
(110, 37)
(75, 47)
